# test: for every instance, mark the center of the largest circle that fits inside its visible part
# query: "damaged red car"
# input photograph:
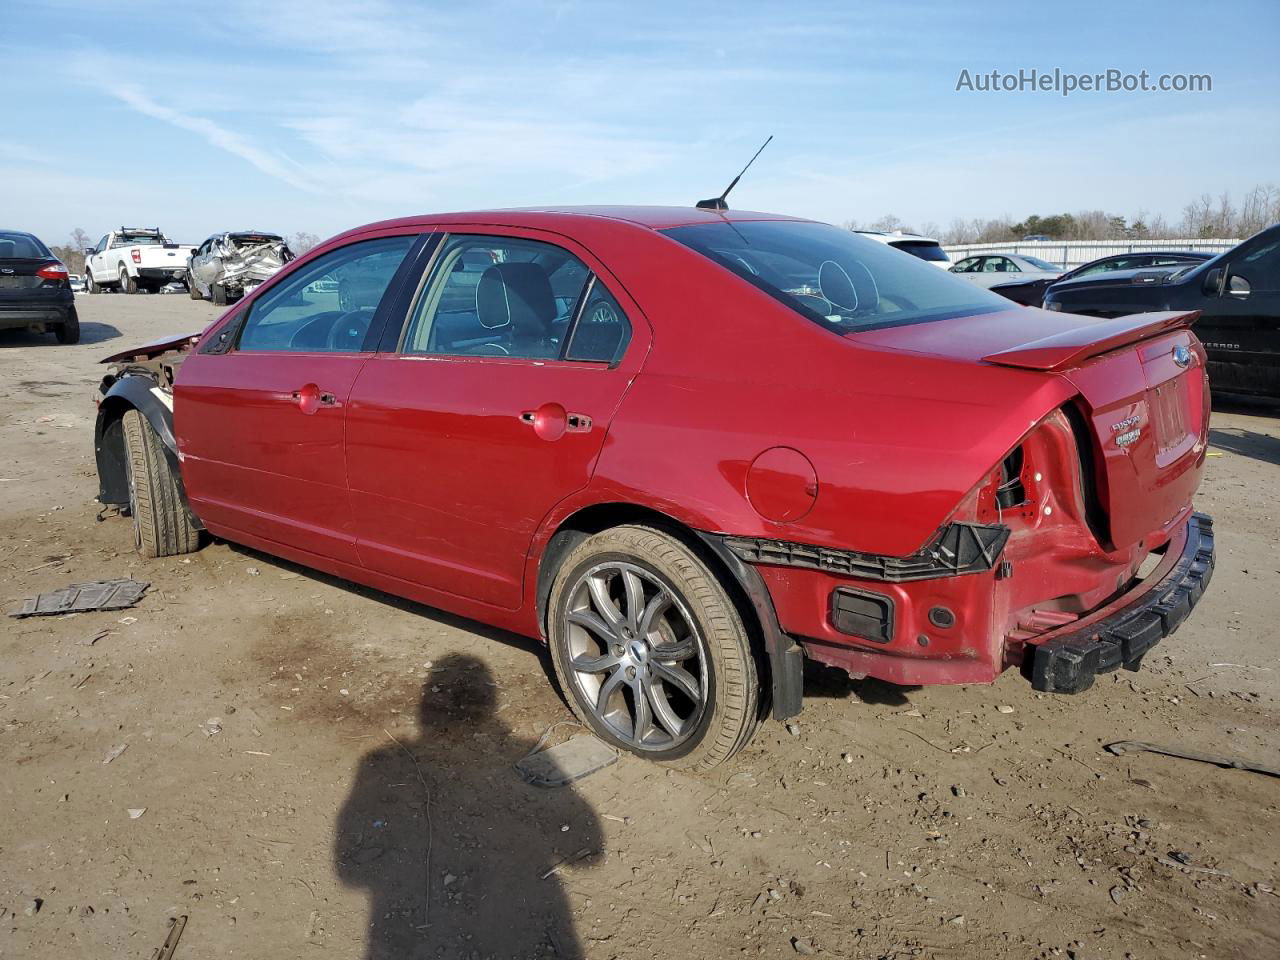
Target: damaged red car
(688, 448)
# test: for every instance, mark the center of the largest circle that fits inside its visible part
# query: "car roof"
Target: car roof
(652, 217)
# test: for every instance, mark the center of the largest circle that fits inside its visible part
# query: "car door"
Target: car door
(94, 261)
(1240, 326)
(490, 410)
(259, 408)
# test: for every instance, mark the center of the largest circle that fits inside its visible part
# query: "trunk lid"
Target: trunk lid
(1141, 379)
(18, 274)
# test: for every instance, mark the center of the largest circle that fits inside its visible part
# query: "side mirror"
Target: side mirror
(1238, 287)
(1213, 282)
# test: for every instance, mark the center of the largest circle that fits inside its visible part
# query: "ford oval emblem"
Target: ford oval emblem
(1182, 355)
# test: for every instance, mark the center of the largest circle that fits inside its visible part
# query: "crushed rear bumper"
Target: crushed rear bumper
(1068, 664)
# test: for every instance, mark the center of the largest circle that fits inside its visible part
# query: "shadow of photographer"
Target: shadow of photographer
(453, 849)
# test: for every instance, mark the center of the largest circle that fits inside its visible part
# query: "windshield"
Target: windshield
(924, 249)
(834, 277)
(1203, 265)
(1041, 264)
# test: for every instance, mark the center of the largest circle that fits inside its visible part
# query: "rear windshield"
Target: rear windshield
(138, 240)
(924, 249)
(1040, 264)
(834, 277)
(21, 246)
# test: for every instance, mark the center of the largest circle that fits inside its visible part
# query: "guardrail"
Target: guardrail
(1070, 254)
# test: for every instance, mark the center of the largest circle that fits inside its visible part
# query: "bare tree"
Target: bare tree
(302, 241)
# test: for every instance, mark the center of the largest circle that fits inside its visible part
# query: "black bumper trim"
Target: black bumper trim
(1068, 664)
(958, 548)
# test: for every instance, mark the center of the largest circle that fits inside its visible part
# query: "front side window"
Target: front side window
(836, 278)
(328, 305)
(511, 297)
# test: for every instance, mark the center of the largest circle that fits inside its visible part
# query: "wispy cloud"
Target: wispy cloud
(271, 163)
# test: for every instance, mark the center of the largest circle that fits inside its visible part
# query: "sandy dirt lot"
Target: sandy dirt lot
(326, 770)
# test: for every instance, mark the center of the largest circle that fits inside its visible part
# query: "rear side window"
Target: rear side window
(602, 331)
(329, 304)
(834, 277)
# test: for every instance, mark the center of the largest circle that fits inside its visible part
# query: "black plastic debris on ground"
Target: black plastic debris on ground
(566, 762)
(83, 598)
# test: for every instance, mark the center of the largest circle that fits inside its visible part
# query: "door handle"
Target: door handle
(551, 421)
(310, 398)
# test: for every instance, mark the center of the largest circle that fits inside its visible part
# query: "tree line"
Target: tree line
(1204, 217)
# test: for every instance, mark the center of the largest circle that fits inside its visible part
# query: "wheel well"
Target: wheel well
(598, 517)
(113, 477)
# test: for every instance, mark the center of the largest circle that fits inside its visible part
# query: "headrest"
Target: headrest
(516, 295)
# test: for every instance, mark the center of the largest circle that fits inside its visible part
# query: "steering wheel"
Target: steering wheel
(348, 331)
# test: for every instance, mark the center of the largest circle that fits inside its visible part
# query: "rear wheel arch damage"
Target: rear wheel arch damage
(778, 659)
(110, 448)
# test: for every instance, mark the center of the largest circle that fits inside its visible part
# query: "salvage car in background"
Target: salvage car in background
(1030, 293)
(1237, 294)
(438, 432)
(35, 290)
(227, 264)
(991, 268)
(134, 258)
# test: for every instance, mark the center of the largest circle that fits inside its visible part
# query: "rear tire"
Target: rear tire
(161, 526)
(68, 331)
(127, 283)
(218, 294)
(634, 615)
(89, 285)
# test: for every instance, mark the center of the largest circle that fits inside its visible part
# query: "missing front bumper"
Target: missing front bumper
(1069, 663)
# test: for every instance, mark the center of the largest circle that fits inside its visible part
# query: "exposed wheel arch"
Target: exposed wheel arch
(132, 393)
(779, 661)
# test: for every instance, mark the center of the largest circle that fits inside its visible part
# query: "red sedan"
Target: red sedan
(688, 448)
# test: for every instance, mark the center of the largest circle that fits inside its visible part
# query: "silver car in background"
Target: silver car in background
(228, 265)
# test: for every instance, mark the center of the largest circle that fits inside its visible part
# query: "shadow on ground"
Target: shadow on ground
(89, 333)
(1246, 443)
(454, 851)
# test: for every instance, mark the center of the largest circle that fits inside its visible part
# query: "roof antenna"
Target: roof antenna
(717, 203)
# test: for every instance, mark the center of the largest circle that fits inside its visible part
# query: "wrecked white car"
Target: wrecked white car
(228, 265)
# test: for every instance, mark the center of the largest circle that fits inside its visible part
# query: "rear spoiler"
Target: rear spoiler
(1069, 348)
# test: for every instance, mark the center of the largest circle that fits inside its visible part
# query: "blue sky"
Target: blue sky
(318, 116)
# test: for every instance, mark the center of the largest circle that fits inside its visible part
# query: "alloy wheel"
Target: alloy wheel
(636, 655)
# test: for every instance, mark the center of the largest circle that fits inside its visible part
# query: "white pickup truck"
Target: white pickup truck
(135, 258)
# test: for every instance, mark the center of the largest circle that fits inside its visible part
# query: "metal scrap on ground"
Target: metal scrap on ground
(1122, 747)
(165, 950)
(566, 762)
(83, 598)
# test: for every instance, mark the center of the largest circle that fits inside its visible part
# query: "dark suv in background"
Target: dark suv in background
(35, 293)
(1237, 294)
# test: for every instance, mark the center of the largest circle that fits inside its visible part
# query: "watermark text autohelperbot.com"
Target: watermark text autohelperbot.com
(1066, 83)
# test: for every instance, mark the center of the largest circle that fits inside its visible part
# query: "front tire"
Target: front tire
(68, 331)
(192, 290)
(651, 651)
(161, 526)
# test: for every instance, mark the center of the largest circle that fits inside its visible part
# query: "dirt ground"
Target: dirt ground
(284, 732)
